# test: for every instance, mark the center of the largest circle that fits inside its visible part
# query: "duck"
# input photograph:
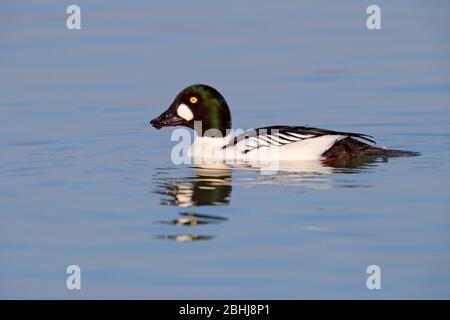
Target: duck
(203, 108)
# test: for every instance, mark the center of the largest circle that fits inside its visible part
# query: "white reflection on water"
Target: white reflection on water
(211, 185)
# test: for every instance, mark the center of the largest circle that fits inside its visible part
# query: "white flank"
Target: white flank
(307, 149)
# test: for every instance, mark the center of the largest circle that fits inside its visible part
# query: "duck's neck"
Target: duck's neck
(208, 141)
(209, 147)
(213, 125)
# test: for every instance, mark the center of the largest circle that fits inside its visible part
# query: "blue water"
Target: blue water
(85, 180)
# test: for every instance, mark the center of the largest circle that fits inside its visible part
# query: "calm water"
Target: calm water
(85, 180)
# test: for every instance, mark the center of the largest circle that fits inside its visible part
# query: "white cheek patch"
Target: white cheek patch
(185, 112)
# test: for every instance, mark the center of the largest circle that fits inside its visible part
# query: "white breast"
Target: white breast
(208, 148)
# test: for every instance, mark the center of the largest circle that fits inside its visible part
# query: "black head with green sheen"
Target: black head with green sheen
(198, 102)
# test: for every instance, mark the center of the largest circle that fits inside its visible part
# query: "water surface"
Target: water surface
(85, 180)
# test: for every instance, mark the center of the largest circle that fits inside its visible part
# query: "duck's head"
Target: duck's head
(198, 102)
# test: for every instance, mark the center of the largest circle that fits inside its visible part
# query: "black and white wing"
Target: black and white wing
(283, 135)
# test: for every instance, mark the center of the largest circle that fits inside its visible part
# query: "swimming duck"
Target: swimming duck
(204, 109)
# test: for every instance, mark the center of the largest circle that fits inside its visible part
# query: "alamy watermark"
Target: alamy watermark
(194, 148)
(374, 279)
(73, 21)
(73, 281)
(373, 22)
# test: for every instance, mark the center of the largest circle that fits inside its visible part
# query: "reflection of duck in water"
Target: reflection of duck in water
(210, 186)
(183, 237)
(194, 219)
(190, 219)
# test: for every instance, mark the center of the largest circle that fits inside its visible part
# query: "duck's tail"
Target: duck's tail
(350, 147)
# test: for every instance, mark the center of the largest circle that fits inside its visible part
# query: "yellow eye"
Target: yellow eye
(193, 100)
